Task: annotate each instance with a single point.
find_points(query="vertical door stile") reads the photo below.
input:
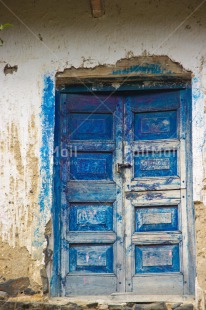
(119, 218)
(128, 208)
(184, 202)
(55, 287)
(184, 222)
(65, 166)
(189, 194)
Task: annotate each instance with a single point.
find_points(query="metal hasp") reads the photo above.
(123, 166)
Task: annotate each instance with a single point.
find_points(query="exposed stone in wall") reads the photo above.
(200, 223)
(15, 286)
(16, 262)
(65, 305)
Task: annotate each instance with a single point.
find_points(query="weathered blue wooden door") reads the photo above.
(124, 223)
(156, 202)
(92, 220)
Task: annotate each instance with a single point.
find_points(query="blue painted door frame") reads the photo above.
(141, 231)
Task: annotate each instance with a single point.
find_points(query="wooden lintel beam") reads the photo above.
(97, 8)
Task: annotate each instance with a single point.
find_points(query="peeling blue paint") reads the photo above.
(144, 69)
(56, 279)
(196, 90)
(198, 103)
(46, 152)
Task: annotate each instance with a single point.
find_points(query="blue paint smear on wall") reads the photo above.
(196, 93)
(47, 117)
(198, 103)
(144, 69)
(46, 153)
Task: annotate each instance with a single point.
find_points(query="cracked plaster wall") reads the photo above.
(47, 37)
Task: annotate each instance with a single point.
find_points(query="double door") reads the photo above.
(124, 223)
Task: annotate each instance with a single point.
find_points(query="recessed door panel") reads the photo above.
(156, 219)
(156, 164)
(91, 126)
(91, 166)
(88, 217)
(90, 284)
(157, 258)
(91, 258)
(155, 125)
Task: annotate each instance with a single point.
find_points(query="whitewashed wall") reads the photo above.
(48, 36)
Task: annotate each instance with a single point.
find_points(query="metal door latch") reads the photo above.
(123, 166)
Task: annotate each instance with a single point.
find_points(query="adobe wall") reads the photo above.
(47, 38)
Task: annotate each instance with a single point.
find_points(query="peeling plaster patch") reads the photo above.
(19, 191)
(19, 202)
(152, 65)
(46, 152)
(198, 135)
(10, 69)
